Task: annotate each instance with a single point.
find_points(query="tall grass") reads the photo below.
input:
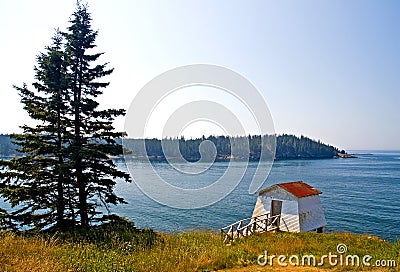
(122, 247)
(18, 253)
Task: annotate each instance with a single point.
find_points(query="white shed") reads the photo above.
(297, 202)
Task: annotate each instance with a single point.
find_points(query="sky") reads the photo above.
(328, 70)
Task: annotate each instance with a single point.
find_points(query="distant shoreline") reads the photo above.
(347, 156)
(235, 148)
(153, 159)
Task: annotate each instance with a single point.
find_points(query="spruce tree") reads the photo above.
(34, 184)
(92, 131)
(65, 174)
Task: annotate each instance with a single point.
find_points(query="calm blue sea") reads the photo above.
(359, 195)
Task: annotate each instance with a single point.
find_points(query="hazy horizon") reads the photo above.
(327, 70)
(350, 150)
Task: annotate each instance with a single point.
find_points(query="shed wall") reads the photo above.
(311, 214)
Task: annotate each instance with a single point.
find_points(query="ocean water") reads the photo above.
(359, 195)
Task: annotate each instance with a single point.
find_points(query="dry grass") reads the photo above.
(196, 251)
(26, 254)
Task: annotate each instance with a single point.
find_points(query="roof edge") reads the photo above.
(292, 187)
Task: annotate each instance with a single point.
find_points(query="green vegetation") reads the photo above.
(292, 147)
(287, 147)
(63, 174)
(119, 246)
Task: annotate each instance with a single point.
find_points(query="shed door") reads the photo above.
(276, 209)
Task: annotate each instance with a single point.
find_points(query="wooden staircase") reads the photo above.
(247, 226)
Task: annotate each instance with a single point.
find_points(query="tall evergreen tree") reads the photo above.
(93, 136)
(65, 174)
(34, 183)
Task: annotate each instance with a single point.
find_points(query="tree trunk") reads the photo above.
(60, 177)
(82, 196)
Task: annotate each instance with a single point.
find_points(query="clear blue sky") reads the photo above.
(329, 70)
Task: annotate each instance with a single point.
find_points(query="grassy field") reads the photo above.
(122, 247)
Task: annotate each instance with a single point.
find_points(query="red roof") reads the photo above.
(297, 188)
